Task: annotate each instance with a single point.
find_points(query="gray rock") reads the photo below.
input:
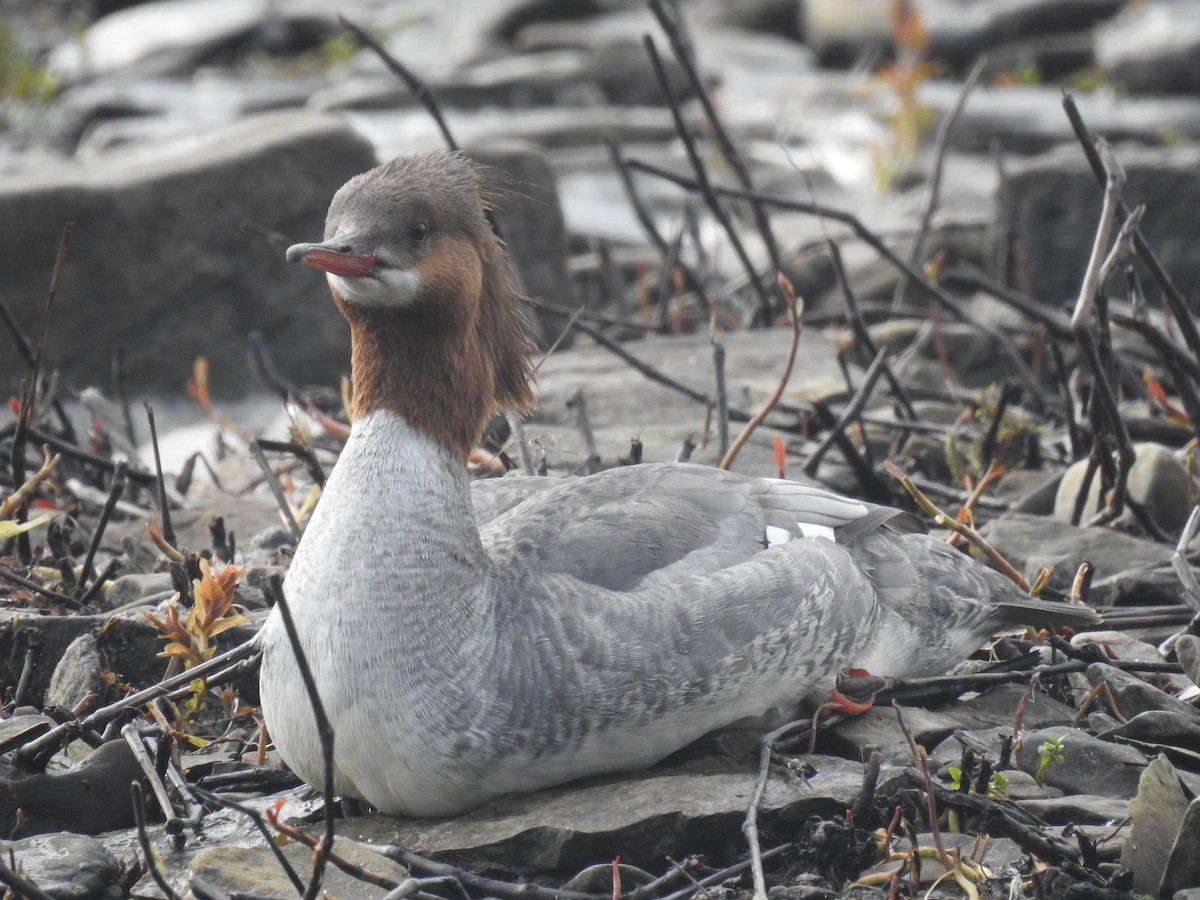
(994, 708)
(22, 726)
(91, 797)
(65, 866)
(1031, 542)
(1089, 766)
(1123, 645)
(150, 587)
(625, 74)
(877, 727)
(531, 221)
(161, 260)
(1157, 726)
(622, 402)
(1153, 48)
(76, 676)
(643, 817)
(1187, 649)
(1183, 865)
(842, 32)
(127, 641)
(244, 515)
(173, 37)
(1158, 481)
(1049, 207)
(1156, 812)
(1135, 696)
(254, 870)
(1029, 119)
(1082, 808)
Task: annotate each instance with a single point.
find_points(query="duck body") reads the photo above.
(475, 640)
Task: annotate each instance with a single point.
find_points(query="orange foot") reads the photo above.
(864, 687)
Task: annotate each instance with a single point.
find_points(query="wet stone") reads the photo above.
(149, 588)
(1156, 812)
(254, 870)
(1157, 481)
(77, 674)
(1089, 766)
(1082, 808)
(877, 727)
(1134, 696)
(1187, 649)
(1155, 725)
(1183, 865)
(1033, 542)
(66, 866)
(643, 817)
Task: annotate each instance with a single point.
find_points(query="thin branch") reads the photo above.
(139, 814)
(789, 295)
(285, 509)
(324, 732)
(945, 520)
(871, 239)
(703, 182)
(419, 88)
(1179, 307)
(766, 747)
(934, 190)
(737, 164)
(55, 737)
(853, 408)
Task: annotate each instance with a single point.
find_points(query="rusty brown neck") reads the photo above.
(442, 366)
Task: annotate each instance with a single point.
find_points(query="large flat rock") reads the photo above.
(170, 256)
(640, 817)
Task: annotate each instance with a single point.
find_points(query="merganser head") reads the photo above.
(436, 325)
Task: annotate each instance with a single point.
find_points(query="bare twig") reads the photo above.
(1037, 395)
(718, 352)
(858, 328)
(116, 489)
(704, 184)
(1082, 325)
(922, 765)
(517, 425)
(945, 520)
(646, 220)
(164, 511)
(419, 89)
(789, 295)
(139, 814)
(324, 731)
(285, 509)
(1179, 306)
(861, 394)
(934, 189)
(577, 403)
(679, 46)
(51, 740)
(766, 747)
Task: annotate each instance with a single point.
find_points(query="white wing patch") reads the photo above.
(777, 535)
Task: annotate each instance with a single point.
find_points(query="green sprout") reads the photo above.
(1049, 754)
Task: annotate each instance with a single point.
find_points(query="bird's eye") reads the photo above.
(418, 232)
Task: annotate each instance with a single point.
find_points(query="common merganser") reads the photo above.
(475, 639)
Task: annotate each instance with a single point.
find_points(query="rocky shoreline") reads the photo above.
(950, 322)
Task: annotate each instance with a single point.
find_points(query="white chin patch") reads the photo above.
(383, 287)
